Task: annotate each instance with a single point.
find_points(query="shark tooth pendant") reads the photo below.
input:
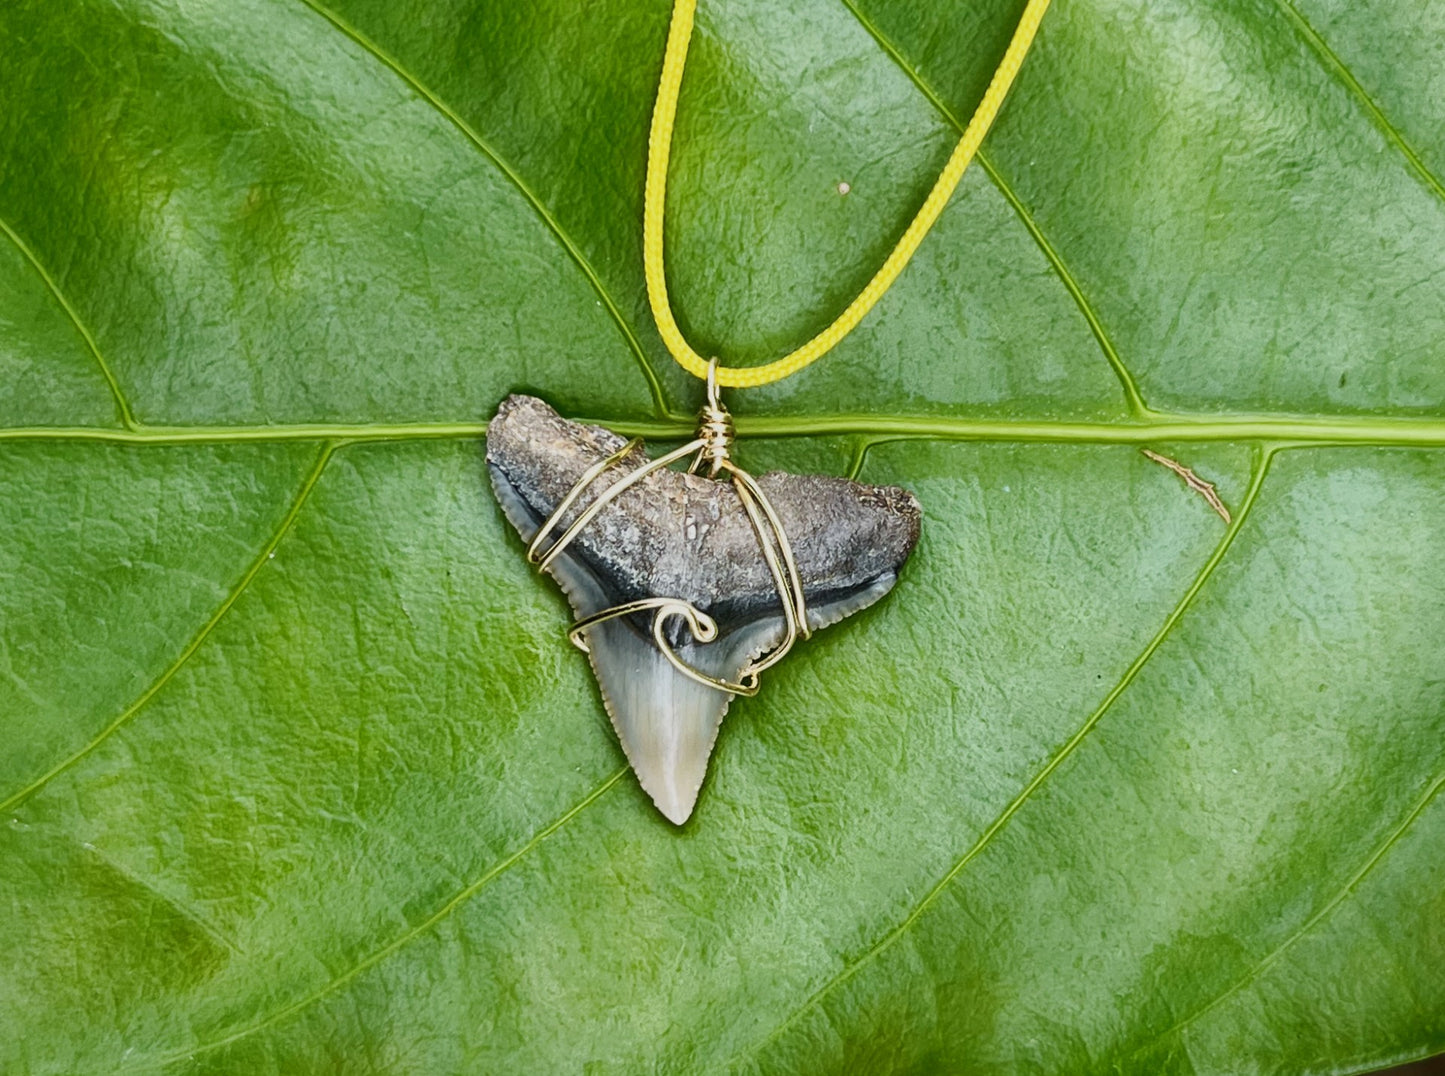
(686, 586)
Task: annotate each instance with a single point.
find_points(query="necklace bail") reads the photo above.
(715, 426)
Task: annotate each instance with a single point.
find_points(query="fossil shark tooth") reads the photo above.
(686, 536)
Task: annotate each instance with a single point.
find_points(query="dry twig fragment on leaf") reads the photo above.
(1193, 481)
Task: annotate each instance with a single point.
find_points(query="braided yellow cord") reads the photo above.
(659, 147)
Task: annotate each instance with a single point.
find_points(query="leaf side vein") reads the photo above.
(514, 177)
(401, 940)
(307, 485)
(127, 417)
(1261, 469)
(1132, 395)
(1356, 879)
(1336, 66)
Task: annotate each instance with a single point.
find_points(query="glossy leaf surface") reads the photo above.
(298, 773)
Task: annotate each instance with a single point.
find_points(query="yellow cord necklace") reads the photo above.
(659, 148)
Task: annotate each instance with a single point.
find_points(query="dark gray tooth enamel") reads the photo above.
(687, 536)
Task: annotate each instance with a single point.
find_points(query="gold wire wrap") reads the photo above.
(711, 447)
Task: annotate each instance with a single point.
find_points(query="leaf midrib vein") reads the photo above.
(1132, 395)
(574, 251)
(1274, 428)
(1261, 469)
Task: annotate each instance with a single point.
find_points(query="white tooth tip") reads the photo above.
(676, 811)
(675, 801)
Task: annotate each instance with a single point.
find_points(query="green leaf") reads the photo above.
(298, 773)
